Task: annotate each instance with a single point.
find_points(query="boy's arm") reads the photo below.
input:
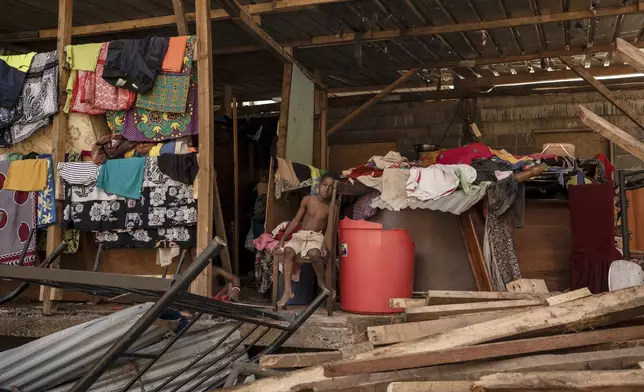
(295, 222)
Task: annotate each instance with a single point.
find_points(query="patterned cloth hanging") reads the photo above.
(47, 197)
(184, 237)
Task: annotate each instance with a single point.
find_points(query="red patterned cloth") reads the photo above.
(593, 250)
(464, 154)
(82, 78)
(106, 96)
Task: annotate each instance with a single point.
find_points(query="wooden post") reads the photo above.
(202, 285)
(365, 106)
(228, 99)
(611, 132)
(180, 14)
(474, 251)
(236, 175)
(324, 106)
(282, 130)
(54, 232)
(624, 107)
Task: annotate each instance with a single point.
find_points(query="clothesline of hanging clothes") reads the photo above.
(146, 88)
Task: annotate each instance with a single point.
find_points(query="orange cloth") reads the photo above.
(27, 175)
(173, 60)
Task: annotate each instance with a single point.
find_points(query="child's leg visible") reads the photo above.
(287, 260)
(318, 266)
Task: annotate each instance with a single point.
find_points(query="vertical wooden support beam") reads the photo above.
(202, 285)
(282, 130)
(228, 100)
(324, 153)
(236, 179)
(48, 295)
(623, 106)
(180, 14)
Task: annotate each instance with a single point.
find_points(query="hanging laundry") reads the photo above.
(464, 154)
(390, 159)
(133, 64)
(170, 91)
(154, 176)
(174, 147)
(79, 58)
(437, 180)
(77, 105)
(183, 237)
(110, 147)
(13, 70)
(78, 173)
(394, 188)
(38, 100)
(174, 57)
(17, 219)
(27, 175)
(144, 125)
(46, 198)
(179, 167)
(123, 177)
(165, 255)
(71, 237)
(105, 96)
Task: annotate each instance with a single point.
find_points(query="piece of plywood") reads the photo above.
(432, 312)
(297, 360)
(397, 303)
(569, 296)
(482, 351)
(605, 381)
(443, 297)
(299, 138)
(395, 333)
(527, 286)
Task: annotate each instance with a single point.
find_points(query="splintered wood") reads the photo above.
(485, 341)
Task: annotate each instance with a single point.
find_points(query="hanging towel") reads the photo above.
(179, 167)
(78, 173)
(17, 219)
(11, 81)
(46, 198)
(27, 175)
(123, 177)
(173, 60)
(133, 64)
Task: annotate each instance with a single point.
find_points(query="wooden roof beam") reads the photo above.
(624, 107)
(245, 20)
(275, 6)
(631, 53)
(611, 132)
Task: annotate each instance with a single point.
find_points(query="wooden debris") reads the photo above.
(359, 348)
(396, 333)
(430, 386)
(482, 351)
(611, 132)
(569, 296)
(297, 360)
(625, 380)
(527, 286)
(397, 303)
(443, 297)
(434, 312)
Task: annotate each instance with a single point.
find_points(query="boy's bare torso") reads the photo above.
(316, 215)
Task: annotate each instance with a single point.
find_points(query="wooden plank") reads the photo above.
(398, 303)
(297, 360)
(160, 21)
(54, 233)
(331, 240)
(220, 227)
(432, 312)
(617, 380)
(631, 53)
(355, 349)
(287, 77)
(569, 296)
(395, 333)
(611, 132)
(237, 219)
(474, 251)
(442, 297)
(324, 140)
(202, 285)
(180, 16)
(482, 351)
(228, 100)
(377, 98)
(430, 386)
(245, 20)
(623, 106)
(527, 286)
(593, 360)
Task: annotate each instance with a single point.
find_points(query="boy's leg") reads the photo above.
(287, 260)
(318, 266)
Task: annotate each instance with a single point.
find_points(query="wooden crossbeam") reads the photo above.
(611, 132)
(631, 53)
(275, 6)
(624, 107)
(245, 20)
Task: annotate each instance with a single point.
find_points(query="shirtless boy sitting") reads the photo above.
(309, 240)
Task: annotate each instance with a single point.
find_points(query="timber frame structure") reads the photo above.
(356, 51)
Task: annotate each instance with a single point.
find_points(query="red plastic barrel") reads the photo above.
(375, 265)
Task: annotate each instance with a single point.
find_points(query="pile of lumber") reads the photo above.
(522, 340)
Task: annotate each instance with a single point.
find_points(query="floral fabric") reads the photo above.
(47, 198)
(184, 237)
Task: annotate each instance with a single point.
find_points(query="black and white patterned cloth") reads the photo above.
(184, 237)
